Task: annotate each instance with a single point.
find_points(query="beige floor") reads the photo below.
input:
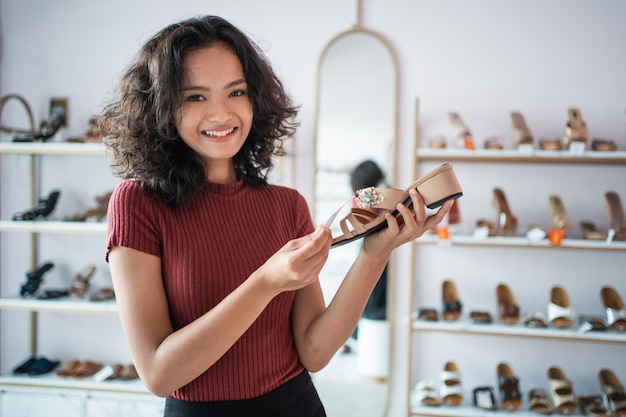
(346, 393)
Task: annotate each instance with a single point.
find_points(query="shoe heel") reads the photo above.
(521, 133)
(439, 186)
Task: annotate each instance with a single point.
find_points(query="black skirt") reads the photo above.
(297, 397)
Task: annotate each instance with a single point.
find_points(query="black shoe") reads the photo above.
(25, 366)
(42, 366)
(34, 279)
(45, 207)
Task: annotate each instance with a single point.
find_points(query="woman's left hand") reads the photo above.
(410, 224)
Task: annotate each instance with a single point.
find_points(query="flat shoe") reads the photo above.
(42, 366)
(591, 231)
(562, 393)
(436, 187)
(614, 306)
(451, 305)
(559, 312)
(593, 406)
(485, 398)
(510, 394)
(613, 392)
(425, 393)
(451, 391)
(507, 309)
(507, 222)
(68, 368)
(539, 402)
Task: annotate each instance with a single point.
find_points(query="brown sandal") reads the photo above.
(539, 402)
(559, 312)
(521, 133)
(510, 394)
(80, 285)
(507, 309)
(576, 128)
(614, 306)
(613, 392)
(507, 222)
(559, 216)
(450, 300)
(617, 218)
(562, 393)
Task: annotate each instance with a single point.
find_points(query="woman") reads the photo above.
(215, 271)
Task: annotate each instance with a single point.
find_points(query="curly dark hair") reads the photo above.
(139, 124)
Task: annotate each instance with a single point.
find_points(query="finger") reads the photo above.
(441, 213)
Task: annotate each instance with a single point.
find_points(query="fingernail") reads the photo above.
(413, 191)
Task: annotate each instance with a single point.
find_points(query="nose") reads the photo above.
(218, 109)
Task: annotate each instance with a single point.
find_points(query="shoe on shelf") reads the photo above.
(591, 231)
(493, 143)
(93, 214)
(507, 222)
(480, 317)
(559, 216)
(560, 313)
(436, 187)
(43, 209)
(617, 219)
(510, 395)
(614, 307)
(551, 144)
(539, 401)
(34, 278)
(613, 392)
(575, 129)
(450, 386)
(36, 366)
(80, 285)
(425, 393)
(507, 309)
(461, 134)
(426, 314)
(521, 133)
(451, 305)
(593, 406)
(535, 319)
(563, 397)
(603, 145)
(485, 397)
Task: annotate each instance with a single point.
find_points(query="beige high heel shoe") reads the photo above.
(559, 217)
(576, 128)
(461, 134)
(617, 219)
(521, 133)
(507, 222)
(436, 187)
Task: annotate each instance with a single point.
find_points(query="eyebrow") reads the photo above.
(227, 86)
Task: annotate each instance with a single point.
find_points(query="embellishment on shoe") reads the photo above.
(368, 197)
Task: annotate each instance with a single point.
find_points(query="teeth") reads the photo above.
(220, 133)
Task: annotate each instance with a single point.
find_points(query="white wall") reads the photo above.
(483, 59)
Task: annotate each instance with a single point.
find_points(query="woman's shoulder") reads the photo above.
(131, 192)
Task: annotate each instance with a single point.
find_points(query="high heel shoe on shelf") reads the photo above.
(507, 309)
(461, 134)
(451, 391)
(563, 397)
(43, 209)
(80, 285)
(521, 133)
(615, 210)
(575, 129)
(510, 394)
(560, 221)
(34, 278)
(93, 214)
(507, 222)
(614, 307)
(451, 305)
(613, 392)
(560, 313)
(436, 187)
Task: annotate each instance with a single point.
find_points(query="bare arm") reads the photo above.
(166, 359)
(320, 332)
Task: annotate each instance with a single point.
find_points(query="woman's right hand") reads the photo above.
(298, 263)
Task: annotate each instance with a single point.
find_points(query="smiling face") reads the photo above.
(216, 112)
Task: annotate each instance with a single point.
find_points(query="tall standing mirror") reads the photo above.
(356, 121)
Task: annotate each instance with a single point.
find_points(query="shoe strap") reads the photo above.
(613, 315)
(556, 311)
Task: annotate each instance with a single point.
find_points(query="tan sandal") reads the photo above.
(424, 393)
(85, 369)
(559, 216)
(560, 313)
(450, 300)
(436, 187)
(80, 285)
(614, 306)
(539, 402)
(68, 368)
(507, 309)
(613, 392)
(551, 144)
(576, 128)
(507, 222)
(591, 231)
(510, 394)
(617, 218)
(451, 391)
(593, 406)
(562, 392)
(521, 133)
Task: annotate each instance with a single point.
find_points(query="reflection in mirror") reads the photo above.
(356, 122)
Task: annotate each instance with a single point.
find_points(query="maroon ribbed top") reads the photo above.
(208, 247)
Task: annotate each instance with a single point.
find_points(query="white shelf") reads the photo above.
(50, 380)
(61, 305)
(513, 155)
(499, 329)
(53, 148)
(471, 411)
(504, 241)
(50, 226)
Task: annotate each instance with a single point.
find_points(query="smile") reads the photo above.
(218, 133)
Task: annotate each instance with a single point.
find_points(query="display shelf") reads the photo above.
(519, 330)
(52, 381)
(468, 410)
(53, 148)
(513, 155)
(62, 305)
(50, 226)
(521, 242)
